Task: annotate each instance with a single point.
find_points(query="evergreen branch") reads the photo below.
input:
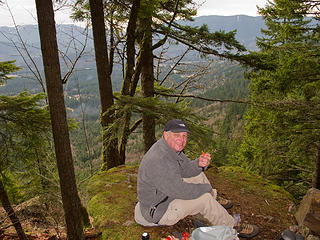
(164, 39)
(135, 125)
(202, 36)
(244, 59)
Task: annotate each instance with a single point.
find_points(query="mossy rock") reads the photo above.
(113, 197)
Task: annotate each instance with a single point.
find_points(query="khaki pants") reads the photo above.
(206, 205)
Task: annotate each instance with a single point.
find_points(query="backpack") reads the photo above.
(214, 233)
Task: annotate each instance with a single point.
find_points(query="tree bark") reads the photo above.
(49, 48)
(147, 80)
(127, 87)
(110, 155)
(9, 210)
(316, 173)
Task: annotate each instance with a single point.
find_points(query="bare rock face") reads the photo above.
(308, 213)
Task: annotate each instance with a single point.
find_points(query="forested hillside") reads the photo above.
(80, 103)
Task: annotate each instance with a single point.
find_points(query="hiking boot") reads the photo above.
(289, 235)
(227, 204)
(197, 223)
(247, 230)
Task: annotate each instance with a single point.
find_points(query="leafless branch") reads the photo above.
(203, 98)
(78, 55)
(174, 66)
(35, 72)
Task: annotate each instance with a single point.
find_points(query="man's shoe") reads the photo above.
(227, 204)
(247, 230)
(197, 223)
(289, 235)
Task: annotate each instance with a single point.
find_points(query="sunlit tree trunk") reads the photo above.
(50, 57)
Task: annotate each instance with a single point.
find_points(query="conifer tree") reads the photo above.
(282, 132)
(23, 122)
(110, 156)
(5, 69)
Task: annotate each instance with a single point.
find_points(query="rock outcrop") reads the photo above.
(308, 214)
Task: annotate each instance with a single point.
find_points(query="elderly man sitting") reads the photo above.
(171, 186)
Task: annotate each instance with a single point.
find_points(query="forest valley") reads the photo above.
(70, 147)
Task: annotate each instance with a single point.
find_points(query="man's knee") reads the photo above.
(206, 197)
(208, 201)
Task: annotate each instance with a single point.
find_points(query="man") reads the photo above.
(171, 186)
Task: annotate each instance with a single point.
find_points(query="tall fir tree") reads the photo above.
(23, 124)
(282, 130)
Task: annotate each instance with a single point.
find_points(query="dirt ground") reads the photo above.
(270, 214)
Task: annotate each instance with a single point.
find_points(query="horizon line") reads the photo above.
(75, 23)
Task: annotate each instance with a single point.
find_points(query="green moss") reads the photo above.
(112, 200)
(85, 216)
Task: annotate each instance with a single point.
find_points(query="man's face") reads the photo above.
(177, 141)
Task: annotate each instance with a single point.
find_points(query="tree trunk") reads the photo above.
(126, 131)
(316, 173)
(49, 48)
(110, 155)
(127, 87)
(147, 82)
(9, 210)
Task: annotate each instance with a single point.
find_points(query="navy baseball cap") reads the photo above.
(176, 125)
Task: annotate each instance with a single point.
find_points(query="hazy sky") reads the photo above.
(24, 10)
(230, 7)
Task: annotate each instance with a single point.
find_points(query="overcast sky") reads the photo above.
(24, 10)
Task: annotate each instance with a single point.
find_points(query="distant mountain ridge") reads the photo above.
(248, 28)
(9, 42)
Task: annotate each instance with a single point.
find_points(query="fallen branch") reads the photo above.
(87, 235)
(14, 235)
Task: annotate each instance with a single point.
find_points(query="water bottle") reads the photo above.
(145, 236)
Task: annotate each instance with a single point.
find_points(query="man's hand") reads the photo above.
(204, 160)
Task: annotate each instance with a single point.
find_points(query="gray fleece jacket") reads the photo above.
(160, 180)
